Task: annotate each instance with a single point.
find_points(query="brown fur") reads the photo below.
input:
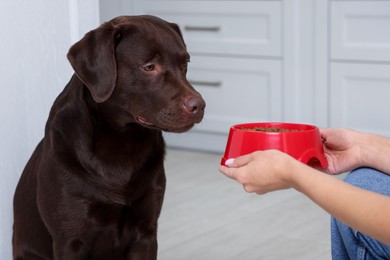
(94, 186)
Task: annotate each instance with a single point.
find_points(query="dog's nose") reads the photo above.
(194, 105)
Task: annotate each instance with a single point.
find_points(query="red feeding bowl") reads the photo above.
(303, 142)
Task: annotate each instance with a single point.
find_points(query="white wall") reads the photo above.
(35, 37)
(110, 9)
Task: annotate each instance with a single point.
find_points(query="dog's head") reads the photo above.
(135, 69)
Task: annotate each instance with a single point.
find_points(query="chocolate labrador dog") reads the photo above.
(94, 186)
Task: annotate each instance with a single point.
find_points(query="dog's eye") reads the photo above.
(148, 67)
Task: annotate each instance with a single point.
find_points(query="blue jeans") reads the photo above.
(351, 244)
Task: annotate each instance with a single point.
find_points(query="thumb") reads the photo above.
(238, 162)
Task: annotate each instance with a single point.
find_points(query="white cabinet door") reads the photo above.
(251, 28)
(236, 91)
(360, 30)
(360, 95)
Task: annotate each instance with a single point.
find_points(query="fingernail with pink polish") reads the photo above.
(229, 162)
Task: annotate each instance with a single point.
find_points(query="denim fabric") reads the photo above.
(350, 244)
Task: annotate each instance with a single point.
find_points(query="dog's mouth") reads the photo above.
(143, 121)
(176, 129)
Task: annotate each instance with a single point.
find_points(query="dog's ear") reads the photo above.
(176, 28)
(93, 60)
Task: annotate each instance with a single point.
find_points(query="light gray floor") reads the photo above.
(207, 216)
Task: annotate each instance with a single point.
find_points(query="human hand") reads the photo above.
(341, 149)
(262, 171)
